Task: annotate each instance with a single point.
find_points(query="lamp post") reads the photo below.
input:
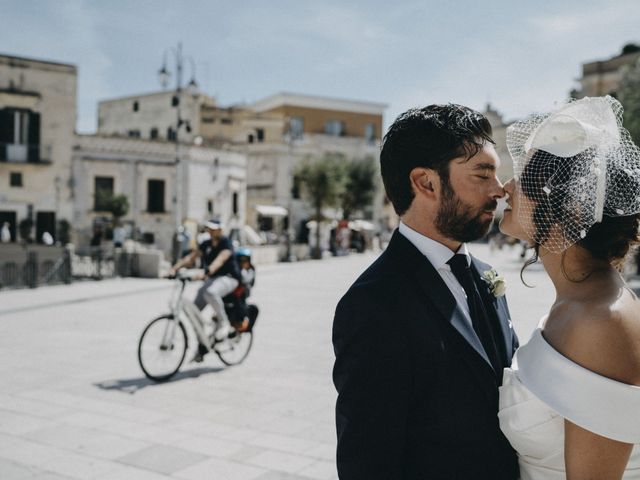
(192, 87)
(290, 138)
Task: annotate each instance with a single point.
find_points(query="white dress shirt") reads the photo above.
(438, 255)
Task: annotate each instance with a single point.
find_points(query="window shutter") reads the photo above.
(34, 137)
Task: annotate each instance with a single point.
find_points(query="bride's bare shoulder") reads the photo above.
(601, 336)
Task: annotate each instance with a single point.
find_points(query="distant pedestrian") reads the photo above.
(5, 233)
(47, 238)
(119, 236)
(96, 239)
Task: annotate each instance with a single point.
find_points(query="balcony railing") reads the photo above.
(25, 153)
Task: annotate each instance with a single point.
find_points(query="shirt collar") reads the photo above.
(437, 253)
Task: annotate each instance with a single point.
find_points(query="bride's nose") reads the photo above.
(510, 186)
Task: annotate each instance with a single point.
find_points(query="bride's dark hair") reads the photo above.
(609, 240)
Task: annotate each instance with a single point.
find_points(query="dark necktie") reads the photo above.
(479, 318)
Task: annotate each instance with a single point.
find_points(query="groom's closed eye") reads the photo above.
(484, 170)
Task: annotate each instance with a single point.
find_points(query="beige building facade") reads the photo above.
(154, 116)
(499, 135)
(602, 77)
(37, 122)
(311, 127)
(276, 134)
(145, 172)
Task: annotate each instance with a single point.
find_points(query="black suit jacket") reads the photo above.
(415, 399)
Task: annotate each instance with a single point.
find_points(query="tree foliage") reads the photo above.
(322, 184)
(117, 205)
(629, 96)
(360, 186)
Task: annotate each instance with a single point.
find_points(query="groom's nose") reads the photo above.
(497, 190)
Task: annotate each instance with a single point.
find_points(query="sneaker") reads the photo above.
(200, 353)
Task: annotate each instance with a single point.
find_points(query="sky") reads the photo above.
(519, 56)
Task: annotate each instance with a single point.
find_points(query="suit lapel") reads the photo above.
(433, 286)
(456, 326)
(495, 309)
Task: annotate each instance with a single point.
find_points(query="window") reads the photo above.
(175, 101)
(155, 196)
(210, 207)
(296, 127)
(171, 135)
(234, 203)
(19, 135)
(136, 106)
(369, 132)
(295, 187)
(15, 179)
(103, 188)
(250, 138)
(208, 120)
(334, 128)
(226, 121)
(260, 134)
(154, 133)
(134, 133)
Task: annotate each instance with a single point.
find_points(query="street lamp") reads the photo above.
(164, 75)
(289, 138)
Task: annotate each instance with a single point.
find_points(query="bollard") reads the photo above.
(66, 266)
(31, 270)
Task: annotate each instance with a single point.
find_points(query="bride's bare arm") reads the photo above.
(606, 340)
(591, 457)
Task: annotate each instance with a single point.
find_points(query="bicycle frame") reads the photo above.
(181, 308)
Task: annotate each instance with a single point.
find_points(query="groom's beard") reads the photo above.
(459, 220)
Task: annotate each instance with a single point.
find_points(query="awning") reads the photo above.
(271, 211)
(252, 236)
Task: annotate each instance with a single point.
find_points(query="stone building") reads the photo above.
(499, 127)
(312, 126)
(276, 134)
(37, 122)
(153, 115)
(145, 172)
(602, 77)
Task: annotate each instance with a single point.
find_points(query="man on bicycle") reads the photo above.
(221, 274)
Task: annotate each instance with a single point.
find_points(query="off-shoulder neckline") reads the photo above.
(539, 337)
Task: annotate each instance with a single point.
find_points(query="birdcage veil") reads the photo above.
(572, 167)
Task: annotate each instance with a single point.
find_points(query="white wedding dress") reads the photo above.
(542, 388)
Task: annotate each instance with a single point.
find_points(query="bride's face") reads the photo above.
(512, 215)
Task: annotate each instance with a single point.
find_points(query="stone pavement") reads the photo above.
(74, 403)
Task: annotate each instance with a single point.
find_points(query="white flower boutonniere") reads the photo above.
(497, 285)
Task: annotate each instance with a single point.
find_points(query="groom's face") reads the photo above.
(470, 196)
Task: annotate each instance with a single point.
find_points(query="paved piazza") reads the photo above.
(75, 404)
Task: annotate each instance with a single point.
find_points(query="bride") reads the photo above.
(570, 405)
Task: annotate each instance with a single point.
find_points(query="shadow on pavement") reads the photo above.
(132, 385)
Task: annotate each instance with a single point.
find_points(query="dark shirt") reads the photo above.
(210, 252)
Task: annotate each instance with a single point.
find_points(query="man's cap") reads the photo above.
(213, 225)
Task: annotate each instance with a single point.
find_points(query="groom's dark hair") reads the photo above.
(428, 137)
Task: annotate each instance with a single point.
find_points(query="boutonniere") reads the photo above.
(497, 285)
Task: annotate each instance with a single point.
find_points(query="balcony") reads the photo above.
(25, 153)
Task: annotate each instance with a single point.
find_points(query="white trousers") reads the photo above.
(212, 291)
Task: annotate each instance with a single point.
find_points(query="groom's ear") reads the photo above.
(424, 181)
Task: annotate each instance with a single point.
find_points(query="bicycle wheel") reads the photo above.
(162, 348)
(235, 349)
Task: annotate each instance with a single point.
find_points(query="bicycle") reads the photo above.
(164, 341)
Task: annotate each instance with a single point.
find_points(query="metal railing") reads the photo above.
(31, 269)
(31, 272)
(25, 153)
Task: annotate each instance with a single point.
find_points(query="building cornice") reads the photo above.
(26, 62)
(285, 99)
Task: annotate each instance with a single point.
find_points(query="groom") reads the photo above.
(420, 338)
